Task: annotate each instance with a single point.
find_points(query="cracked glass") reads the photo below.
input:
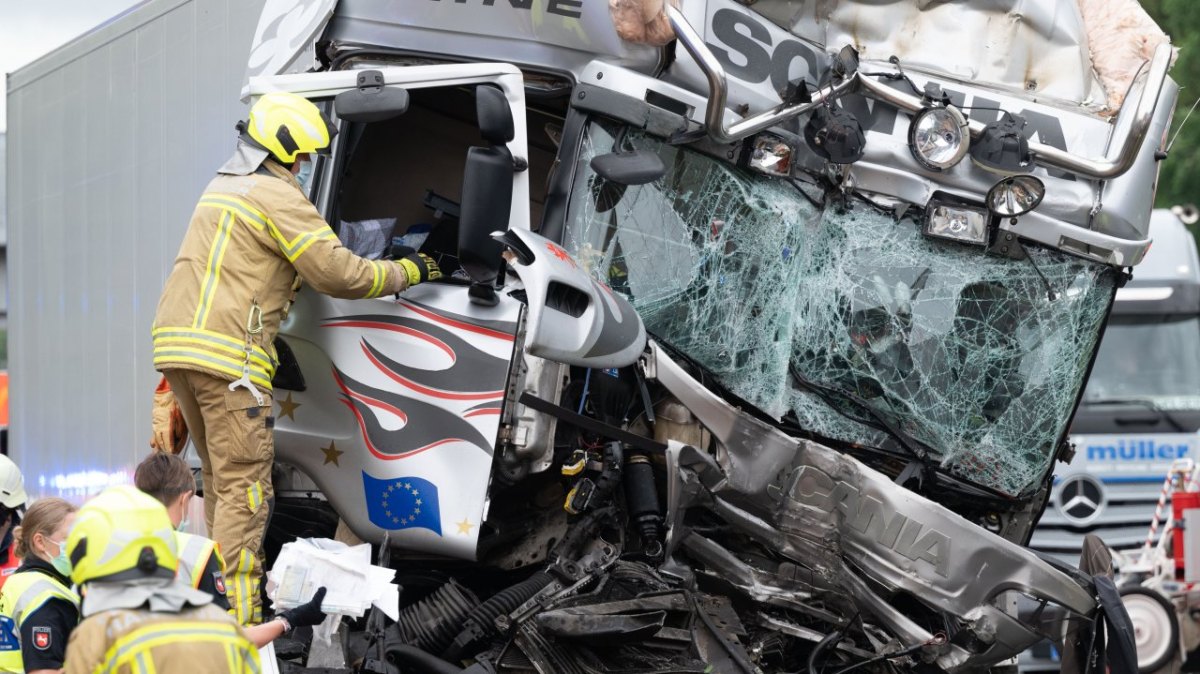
(845, 316)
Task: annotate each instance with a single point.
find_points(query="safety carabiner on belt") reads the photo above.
(254, 326)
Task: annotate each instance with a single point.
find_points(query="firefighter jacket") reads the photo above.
(249, 237)
(124, 641)
(38, 611)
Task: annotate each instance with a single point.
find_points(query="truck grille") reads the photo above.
(1121, 519)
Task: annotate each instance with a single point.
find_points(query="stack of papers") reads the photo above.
(353, 585)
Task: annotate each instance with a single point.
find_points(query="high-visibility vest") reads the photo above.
(194, 552)
(22, 595)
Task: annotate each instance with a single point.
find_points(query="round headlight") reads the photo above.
(938, 137)
(1015, 195)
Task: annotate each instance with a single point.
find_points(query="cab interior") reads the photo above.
(408, 171)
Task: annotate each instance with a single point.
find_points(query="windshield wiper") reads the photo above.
(1148, 403)
(917, 449)
(913, 446)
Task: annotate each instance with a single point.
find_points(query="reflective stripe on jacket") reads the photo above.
(250, 235)
(194, 553)
(23, 594)
(202, 639)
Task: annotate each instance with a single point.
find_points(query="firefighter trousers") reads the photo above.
(234, 437)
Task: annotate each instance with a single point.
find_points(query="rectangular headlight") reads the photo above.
(965, 224)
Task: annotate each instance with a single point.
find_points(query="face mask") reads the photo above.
(183, 524)
(60, 562)
(304, 175)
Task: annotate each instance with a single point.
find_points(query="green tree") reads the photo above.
(1179, 177)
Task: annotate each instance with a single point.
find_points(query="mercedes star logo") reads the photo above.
(1080, 499)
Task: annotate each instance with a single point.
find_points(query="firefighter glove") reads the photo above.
(168, 430)
(420, 268)
(307, 615)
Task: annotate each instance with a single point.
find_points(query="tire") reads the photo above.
(1155, 627)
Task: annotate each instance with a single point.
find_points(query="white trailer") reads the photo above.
(111, 139)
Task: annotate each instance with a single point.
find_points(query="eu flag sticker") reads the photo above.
(402, 503)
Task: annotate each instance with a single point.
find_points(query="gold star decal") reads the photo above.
(464, 527)
(331, 454)
(287, 408)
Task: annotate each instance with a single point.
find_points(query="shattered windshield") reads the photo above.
(847, 318)
(1152, 359)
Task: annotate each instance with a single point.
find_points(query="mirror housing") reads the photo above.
(371, 101)
(487, 195)
(494, 116)
(616, 171)
(629, 168)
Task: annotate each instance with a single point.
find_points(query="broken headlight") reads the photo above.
(771, 155)
(957, 222)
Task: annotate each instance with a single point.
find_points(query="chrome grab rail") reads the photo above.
(1123, 150)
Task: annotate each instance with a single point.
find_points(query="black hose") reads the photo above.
(415, 657)
(828, 642)
(481, 621)
(432, 623)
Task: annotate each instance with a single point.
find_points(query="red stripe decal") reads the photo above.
(432, 392)
(362, 424)
(483, 412)
(396, 328)
(438, 318)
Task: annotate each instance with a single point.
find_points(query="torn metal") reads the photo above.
(1082, 53)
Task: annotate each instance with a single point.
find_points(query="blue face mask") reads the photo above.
(183, 524)
(60, 562)
(304, 175)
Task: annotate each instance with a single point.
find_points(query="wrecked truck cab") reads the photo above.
(786, 343)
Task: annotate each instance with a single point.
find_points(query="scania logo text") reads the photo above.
(748, 51)
(867, 518)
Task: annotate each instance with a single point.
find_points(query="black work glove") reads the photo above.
(420, 268)
(307, 615)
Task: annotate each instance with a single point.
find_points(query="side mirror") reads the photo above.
(618, 170)
(371, 101)
(629, 168)
(486, 195)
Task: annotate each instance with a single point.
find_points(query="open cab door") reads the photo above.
(391, 407)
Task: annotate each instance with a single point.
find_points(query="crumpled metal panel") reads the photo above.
(855, 531)
(1036, 46)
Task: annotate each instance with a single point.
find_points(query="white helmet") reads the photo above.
(12, 485)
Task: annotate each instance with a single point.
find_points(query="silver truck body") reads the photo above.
(851, 423)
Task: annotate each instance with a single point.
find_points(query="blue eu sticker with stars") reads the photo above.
(402, 503)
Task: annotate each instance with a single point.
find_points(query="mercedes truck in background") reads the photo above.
(1140, 409)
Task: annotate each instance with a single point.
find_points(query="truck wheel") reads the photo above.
(1155, 627)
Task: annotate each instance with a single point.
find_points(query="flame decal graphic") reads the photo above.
(470, 369)
(425, 425)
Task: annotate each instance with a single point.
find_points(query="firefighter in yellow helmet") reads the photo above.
(253, 236)
(136, 616)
